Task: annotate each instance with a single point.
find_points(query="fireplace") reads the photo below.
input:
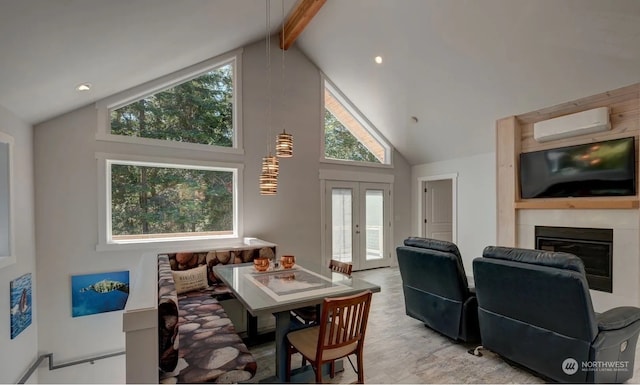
(593, 246)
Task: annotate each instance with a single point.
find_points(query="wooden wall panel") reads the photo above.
(515, 135)
(507, 189)
(599, 100)
(624, 122)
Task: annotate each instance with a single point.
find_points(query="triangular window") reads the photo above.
(348, 136)
(198, 110)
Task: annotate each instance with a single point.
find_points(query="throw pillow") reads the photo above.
(192, 279)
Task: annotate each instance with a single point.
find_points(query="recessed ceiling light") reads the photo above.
(378, 59)
(83, 87)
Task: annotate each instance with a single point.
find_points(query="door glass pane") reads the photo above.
(341, 217)
(374, 226)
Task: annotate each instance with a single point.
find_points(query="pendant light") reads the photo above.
(270, 164)
(284, 143)
(269, 176)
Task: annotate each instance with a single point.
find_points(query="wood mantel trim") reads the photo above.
(579, 203)
(297, 21)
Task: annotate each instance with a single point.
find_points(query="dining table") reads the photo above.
(278, 290)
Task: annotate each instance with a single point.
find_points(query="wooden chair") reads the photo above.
(341, 267)
(339, 334)
(308, 315)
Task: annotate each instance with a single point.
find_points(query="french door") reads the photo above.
(357, 223)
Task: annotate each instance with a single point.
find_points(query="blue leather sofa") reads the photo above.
(435, 288)
(535, 310)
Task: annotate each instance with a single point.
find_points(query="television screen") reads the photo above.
(595, 169)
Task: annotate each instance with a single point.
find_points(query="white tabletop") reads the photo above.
(285, 289)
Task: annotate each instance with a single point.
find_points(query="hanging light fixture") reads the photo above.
(284, 143)
(270, 164)
(269, 175)
(268, 183)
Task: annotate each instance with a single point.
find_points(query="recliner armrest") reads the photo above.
(618, 318)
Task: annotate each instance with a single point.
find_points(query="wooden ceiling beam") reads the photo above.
(298, 19)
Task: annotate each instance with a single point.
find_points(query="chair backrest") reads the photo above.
(433, 266)
(546, 289)
(341, 267)
(534, 308)
(342, 325)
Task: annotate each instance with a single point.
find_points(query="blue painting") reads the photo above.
(99, 293)
(20, 304)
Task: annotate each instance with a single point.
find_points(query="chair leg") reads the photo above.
(318, 369)
(304, 361)
(333, 369)
(289, 354)
(359, 355)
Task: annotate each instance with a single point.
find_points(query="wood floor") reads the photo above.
(400, 349)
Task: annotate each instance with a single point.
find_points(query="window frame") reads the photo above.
(105, 106)
(10, 259)
(105, 240)
(326, 83)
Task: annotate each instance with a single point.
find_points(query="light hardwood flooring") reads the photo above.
(400, 349)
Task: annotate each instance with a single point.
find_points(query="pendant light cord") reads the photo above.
(268, 44)
(282, 79)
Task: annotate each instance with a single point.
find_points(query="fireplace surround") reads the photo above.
(593, 245)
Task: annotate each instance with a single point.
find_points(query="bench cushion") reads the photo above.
(209, 343)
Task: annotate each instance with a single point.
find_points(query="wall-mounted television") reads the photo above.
(605, 168)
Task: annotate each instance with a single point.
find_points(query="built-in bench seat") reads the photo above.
(197, 339)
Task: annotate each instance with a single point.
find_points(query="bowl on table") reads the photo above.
(261, 264)
(288, 261)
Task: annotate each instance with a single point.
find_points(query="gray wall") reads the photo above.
(67, 203)
(16, 355)
(476, 219)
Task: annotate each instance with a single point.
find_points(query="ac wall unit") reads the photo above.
(581, 123)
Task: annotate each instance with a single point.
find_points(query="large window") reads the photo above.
(151, 201)
(197, 111)
(348, 136)
(197, 107)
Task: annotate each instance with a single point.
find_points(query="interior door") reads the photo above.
(438, 219)
(357, 223)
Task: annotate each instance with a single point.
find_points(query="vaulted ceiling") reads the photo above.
(455, 65)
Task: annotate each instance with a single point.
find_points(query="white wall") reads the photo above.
(18, 354)
(67, 203)
(476, 201)
(292, 218)
(626, 245)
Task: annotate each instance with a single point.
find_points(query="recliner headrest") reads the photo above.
(536, 257)
(434, 244)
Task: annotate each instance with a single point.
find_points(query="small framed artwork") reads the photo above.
(20, 304)
(99, 293)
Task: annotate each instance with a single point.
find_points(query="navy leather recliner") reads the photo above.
(435, 288)
(535, 310)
